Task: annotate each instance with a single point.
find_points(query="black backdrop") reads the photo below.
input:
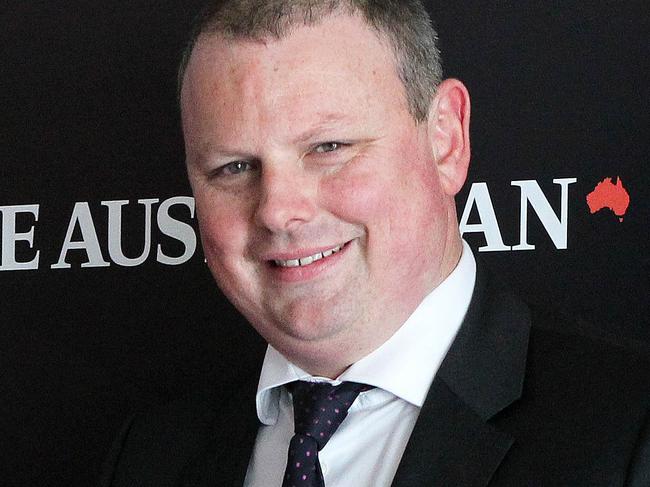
(88, 115)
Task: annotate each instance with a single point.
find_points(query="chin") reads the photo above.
(316, 319)
(314, 330)
(326, 357)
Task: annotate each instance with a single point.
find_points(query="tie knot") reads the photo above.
(319, 408)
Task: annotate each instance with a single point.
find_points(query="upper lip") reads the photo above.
(300, 253)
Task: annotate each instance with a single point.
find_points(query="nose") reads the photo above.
(287, 199)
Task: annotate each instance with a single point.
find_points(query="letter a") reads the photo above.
(89, 242)
(489, 226)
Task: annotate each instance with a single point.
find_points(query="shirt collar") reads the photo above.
(427, 335)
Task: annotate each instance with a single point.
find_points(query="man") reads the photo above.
(324, 153)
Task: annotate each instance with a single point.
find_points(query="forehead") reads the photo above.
(338, 36)
(339, 62)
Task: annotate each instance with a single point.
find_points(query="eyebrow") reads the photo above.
(208, 150)
(327, 121)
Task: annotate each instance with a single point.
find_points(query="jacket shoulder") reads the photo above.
(564, 350)
(585, 406)
(154, 448)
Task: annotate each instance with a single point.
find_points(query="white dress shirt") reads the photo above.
(367, 448)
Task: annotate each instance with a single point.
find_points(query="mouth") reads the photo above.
(308, 259)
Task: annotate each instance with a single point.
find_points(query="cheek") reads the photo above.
(354, 195)
(224, 234)
(223, 227)
(392, 190)
(400, 206)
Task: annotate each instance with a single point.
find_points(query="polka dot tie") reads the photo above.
(319, 409)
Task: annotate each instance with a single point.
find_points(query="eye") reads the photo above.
(234, 168)
(327, 147)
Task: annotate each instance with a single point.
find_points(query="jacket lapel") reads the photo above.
(450, 445)
(453, 442)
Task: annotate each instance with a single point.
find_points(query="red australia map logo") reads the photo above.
(609, 195)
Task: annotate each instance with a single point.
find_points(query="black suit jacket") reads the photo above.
(518, 401)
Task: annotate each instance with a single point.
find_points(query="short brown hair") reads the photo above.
(404, 23)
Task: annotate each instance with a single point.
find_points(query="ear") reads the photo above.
(448, 128)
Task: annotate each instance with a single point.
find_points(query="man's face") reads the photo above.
(321, 210)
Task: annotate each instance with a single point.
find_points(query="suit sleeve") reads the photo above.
(639, 471)
(112, 460)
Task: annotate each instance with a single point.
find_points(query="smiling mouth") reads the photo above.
(310, 259)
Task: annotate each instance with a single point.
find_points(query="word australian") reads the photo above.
(82, 219)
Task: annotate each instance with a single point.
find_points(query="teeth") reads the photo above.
(310, 259)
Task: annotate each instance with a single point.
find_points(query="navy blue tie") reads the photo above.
(319, 409)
